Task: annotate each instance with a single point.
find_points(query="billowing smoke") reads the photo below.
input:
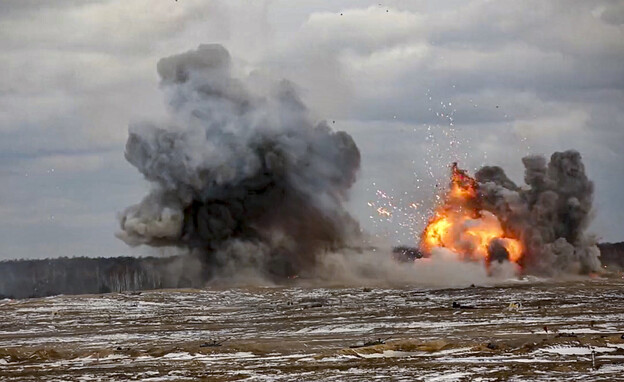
(549, 216)
(239, 170)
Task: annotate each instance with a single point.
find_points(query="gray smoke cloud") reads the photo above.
(239, 170)
(550, 215)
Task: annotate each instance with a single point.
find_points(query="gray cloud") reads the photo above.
(239, 169)
(76, 73)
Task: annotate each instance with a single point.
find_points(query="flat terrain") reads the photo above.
(562, 331)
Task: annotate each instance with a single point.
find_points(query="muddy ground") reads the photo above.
(555, 331)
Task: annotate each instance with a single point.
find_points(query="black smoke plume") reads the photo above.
(549, 216)
(239, 170)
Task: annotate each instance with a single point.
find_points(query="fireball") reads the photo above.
(459, 224)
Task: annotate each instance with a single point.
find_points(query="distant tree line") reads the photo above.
(612, 254)
(83, 275)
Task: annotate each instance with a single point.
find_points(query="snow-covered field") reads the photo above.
(562, 331)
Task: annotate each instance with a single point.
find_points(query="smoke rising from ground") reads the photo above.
(243, 178)
(239, 170)
(549, 216)
(442, 269)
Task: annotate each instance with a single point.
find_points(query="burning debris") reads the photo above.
(540, 227)
(239, 170)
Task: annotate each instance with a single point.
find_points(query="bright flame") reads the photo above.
(461, 226)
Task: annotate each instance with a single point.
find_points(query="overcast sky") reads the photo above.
(418, 84)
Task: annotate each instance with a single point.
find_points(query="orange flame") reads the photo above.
(460, 225)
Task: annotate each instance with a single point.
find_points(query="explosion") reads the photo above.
(540, 226)
(461, 225)
(244, 177)
(240, 172)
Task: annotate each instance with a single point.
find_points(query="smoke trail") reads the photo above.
(550, 216)
(239, 170)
